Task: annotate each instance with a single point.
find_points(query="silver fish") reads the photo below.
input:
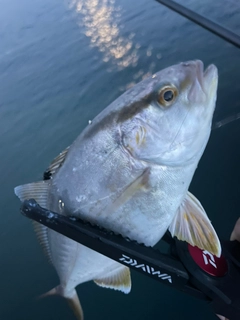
(129, 171)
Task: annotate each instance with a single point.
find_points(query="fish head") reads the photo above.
(174, 115)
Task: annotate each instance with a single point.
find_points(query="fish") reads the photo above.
(129, 171)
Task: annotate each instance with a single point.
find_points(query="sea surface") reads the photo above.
(61, 63)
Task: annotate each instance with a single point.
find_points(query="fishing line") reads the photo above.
(208, 24)
(234, 3)
(227, 120)
(216, 29)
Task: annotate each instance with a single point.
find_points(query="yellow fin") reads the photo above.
(119, 279)
(75, 305)
(73, 300)
(191, 224)
(236, 232)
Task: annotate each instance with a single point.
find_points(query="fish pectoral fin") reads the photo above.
(140, 183)
(39, 192)
(119, 279)
(192, 224)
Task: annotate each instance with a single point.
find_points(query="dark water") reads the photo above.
(61, 63)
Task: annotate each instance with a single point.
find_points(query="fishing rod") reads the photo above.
(186, 268)
(216, 29)
(207, 24)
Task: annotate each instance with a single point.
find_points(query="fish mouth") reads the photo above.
(207, 78)
(204, 81)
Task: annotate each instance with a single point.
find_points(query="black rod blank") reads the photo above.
(211, 26)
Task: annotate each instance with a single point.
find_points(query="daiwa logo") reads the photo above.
(132, 262)
(209, 258)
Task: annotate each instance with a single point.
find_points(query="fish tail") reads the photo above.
(57, 291)
(75, 305)
(72, 300)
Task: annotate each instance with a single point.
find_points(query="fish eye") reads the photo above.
(167, 95)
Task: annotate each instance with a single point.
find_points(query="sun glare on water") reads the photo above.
(100, 20)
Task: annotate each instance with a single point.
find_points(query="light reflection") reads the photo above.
(101, 22)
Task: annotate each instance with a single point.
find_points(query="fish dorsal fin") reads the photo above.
(55, 164)
(39, 192)
(191, 224)
(119, 279)
(35, 190)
